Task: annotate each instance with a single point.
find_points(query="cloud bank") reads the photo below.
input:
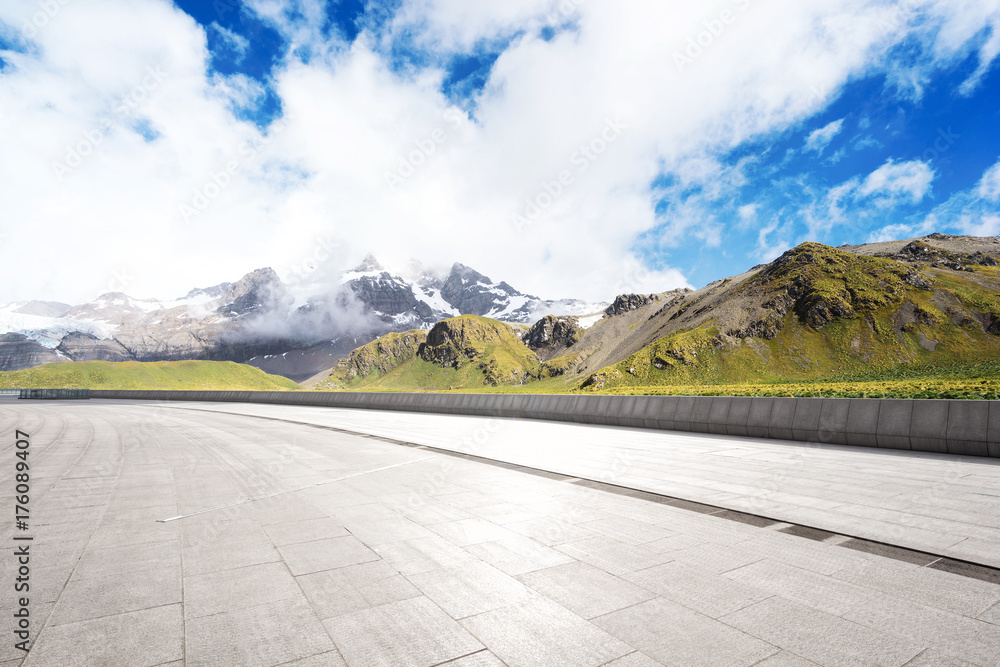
(600, 144)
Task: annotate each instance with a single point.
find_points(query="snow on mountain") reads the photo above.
(49, 331)
(252, 318)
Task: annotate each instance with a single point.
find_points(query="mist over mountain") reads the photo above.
(294, 330)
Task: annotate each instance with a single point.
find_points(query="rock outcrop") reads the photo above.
(627, 302)
(18, 352)
(87, 347)
(551, 336)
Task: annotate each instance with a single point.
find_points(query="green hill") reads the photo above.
(464, 352)
(901, 318)
(206, 375)
(822, 313)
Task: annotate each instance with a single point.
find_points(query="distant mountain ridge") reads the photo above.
(815, 312)
(256, 319)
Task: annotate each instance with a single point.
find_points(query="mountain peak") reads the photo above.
(368, 264)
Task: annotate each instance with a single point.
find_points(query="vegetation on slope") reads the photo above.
(462, 352)
(375, 359)
(192, 375)
(827, 312)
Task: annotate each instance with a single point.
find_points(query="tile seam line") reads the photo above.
(485, 459)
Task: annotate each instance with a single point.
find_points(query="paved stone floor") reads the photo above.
(323, 547)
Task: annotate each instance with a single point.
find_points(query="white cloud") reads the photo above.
(238, 44)
(975, 212)
(821, 138)
(350, 120)
(989, 184)
(896, 181)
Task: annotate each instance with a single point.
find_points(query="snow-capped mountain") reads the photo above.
(259, 321)
(420, 299)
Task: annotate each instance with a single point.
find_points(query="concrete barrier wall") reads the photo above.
(970, 428)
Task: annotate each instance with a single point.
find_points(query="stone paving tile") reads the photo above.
(424, 554)
(549, 510)
(39, 615)
(478, 659)
(47, 583)
(550, 531)
(409, 632)
(212, 527)
(217, 592)
(584, 589)
(944, 590)
(517, 555)
(611, 556)
(354, 588)
(471, 589)
(285, 509)
(815, 590)
(932, 658)
(503, 513)
(470, 531)
(307, 530)
(710, 594)
(627, 531)
(676, 635)
(215, 556)
(256, 637)
(675, 542)
(636, 659)
(125, 534)
(811, 555)
(376, 530)
(115, 593)
(426, 513)
(977, 551)
(716, 558)
(326, 659)
(541, 632)
(464, 498)
(785, 659)
(141, 638)
(944, 631)
(991, 615)
(821, 637)
(326, 554)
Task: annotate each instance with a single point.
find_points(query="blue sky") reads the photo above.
(728, 132)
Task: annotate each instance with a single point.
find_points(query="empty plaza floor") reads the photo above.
(234, 534)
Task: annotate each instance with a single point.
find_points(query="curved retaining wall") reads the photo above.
(970, 428)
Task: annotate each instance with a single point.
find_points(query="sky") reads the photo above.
(573, 148)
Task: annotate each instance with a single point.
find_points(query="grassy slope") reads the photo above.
(206, 375)
(368, 362)
(869, 342)
(467, 352)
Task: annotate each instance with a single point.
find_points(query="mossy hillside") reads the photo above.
(188, 375)
(490, 346)
(457, 353)
(821, 283)
(831, 322)
(562, 365)
(374, 359)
